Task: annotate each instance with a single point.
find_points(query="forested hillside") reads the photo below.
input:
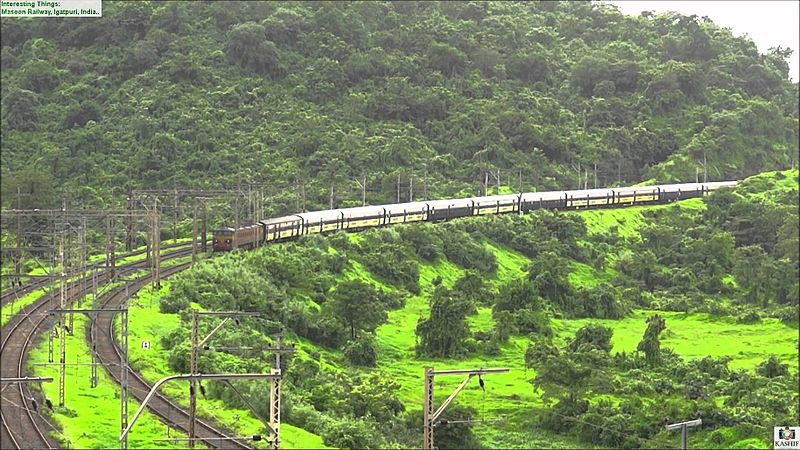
(613, 323)
(312, 96)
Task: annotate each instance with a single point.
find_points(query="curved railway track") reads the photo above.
(23, 429)
(22, 425)
(110, 355)
(10, 295)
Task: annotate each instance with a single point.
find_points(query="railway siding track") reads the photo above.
(22, 426)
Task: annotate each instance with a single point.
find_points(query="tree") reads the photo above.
(650, 344)
(361, 351)
(249, 47)
(376, 395)
(592, 335)
(754, 270)
(772, 368)
(442, 334)
(516, 295)
(549, 275)
(529, 67)
(358, 305)
(20, 109)
(446, 58)
(474, 288)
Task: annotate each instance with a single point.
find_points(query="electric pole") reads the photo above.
(193, 361)
(684, 427)
(430, 417)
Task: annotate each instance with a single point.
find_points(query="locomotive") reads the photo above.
(359, 218)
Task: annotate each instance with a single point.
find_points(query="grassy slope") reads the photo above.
(18, 305)
(91, 417)
(508, 396)
(151, 325)
(698, 335)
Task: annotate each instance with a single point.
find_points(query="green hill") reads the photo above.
(309, 97)
(519, 288)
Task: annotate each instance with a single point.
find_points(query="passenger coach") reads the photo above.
(290, 227)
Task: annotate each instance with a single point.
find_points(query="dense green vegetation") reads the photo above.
(612, 321)
(319, 94)
(606, 346)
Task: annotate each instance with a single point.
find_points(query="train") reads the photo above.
(364, 217)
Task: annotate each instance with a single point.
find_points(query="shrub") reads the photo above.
(445, 331)
(172, 304)
(248, 46)
(460, 248)
(362, 351)
(424, 240)
(749, 316)
(393, 264)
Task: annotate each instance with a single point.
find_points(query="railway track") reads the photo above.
(22, 425)
(23, 428)
(110, 355)
(10, 295)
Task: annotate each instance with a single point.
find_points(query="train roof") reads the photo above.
(409, 207)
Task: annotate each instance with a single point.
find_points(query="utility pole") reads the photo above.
(18, 256)
(236, 215)
(194, 356)
(194, 231)
(398, 188)
(84, 254)
(430, 417)
(156, 246)
(363, 184)
(705, 168)
(303, 191)
(193, 381)
(250, 205)
(129, 223)
(175, 216)
(110, 257)
(595, 175)
(124, 372)
(411, 188)
(204, 235)
(425, 185)
(684, 427)
(275, 392)
(62, 374)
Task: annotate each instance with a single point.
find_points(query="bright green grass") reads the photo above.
(765, 185)
(510, 263)
(629, 220)
(92, 414)
(10, 309)
(508, 396)
(698, 335)
(585, 275)
(511, 396)
(149, 324)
